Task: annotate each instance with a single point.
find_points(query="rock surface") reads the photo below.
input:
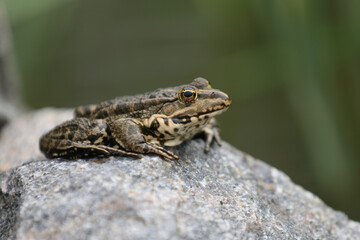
(19, 139)
(225, 194)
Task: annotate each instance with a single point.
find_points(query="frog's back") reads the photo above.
(137, 106)
(140, 105)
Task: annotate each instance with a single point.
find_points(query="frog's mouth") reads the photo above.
(213, 111)
(210, 112)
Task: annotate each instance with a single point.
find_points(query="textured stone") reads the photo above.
(225, 194)
(19, 139)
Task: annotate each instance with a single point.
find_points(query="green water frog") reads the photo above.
(140, 124)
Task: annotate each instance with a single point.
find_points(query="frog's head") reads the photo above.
(197, 100)
(185, 111)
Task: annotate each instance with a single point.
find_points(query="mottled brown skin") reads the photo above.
(139, 124)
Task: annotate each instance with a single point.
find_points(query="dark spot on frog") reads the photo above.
(186, 120)
(92, 138)
(166, 121)
(70, 135)
(176, 129)
(148, 132)
(176, 120)
(118, 108)
(168, 133)
(165, 94)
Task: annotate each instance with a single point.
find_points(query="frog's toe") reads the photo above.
(210, 136)
(217, 138)
(152, 148)
(126, 154)
(134, 155)
(165, 153)
(119, 152)
(169, 155)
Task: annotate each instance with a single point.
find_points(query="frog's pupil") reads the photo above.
(188, 94)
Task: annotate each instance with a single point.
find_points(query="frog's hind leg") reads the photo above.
(128, 135)
(79, 138)
(68, 149)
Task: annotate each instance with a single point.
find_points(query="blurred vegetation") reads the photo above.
(291, 68)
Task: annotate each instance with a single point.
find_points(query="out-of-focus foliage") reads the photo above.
(291, 68)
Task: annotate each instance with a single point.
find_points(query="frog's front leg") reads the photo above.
(211, 133)
(128, 134)
(80, 138)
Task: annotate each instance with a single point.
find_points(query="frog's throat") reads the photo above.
(163, 119)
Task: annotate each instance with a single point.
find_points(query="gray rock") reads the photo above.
(225, 194)
(19, 139)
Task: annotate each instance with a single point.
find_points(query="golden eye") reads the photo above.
(188, 94)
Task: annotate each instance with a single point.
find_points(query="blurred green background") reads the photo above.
(292, 69)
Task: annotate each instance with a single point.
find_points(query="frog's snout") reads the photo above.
(223, 96)
(227, 100)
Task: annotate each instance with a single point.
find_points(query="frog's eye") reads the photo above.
(188, 94)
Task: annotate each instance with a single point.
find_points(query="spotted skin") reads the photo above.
(79, 138)
(140, 124)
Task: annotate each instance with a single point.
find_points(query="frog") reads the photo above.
(146, 123)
